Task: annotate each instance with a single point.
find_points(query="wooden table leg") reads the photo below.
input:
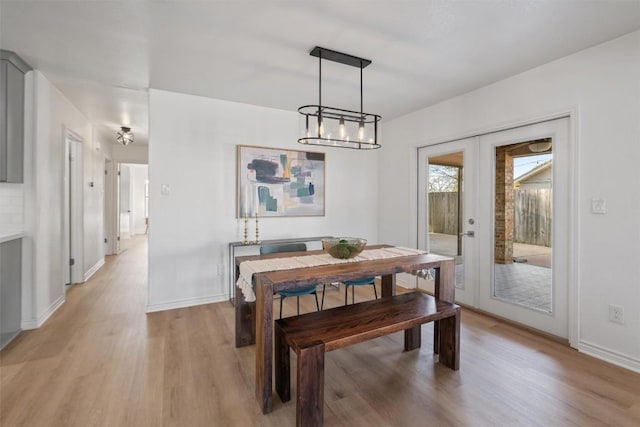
(445, 290)
(450, 341)
(264, 344)
(388, 285)
(446, 281)
(245, 319)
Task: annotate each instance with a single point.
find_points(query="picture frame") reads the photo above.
(279, 182)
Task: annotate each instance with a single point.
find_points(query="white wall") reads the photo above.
(133, 153)
(603, 84)
(11, 206)
(93, 206)
(192, 149)
(44, 258)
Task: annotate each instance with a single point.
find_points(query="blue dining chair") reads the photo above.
(353, 283)
(359, 282)
(290, 247)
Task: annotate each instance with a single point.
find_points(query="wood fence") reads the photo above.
(532, 216)
(532, 208)
(443, 213)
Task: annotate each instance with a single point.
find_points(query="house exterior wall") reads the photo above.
(504, 208)
(541, 180)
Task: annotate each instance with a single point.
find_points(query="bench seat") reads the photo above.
(313, 334)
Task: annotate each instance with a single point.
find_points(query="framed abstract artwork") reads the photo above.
(277, 182)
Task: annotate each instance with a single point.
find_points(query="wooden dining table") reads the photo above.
(254, 320)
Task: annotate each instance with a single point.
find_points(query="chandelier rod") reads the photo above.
(361, 108)
(320, 79)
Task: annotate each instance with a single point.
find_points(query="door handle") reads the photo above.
(470, 233)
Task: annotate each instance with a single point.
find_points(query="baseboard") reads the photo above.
(14, 336)
(36, 323)
(406, 280)
(93, 269)
(611, 356)
(188, 302)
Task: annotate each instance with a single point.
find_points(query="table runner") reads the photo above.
(249, 268)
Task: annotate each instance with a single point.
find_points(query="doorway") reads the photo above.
(523, 223)
(133, 203)
(110, 206)
(72, 211)
(467, 210)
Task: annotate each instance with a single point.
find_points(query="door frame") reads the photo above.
(573, 275)
(109, 206)
(112, 213)
(73, 219)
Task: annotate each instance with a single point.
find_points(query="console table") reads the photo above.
(234, 246)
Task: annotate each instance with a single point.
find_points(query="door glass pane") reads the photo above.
(523, 224)
(446, 208)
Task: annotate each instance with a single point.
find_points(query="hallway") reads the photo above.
(89, 361)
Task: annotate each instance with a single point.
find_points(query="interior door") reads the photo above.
(524, 287)
(117, 210)
(447, 175)
(125, 202)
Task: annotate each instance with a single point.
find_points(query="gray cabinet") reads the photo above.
(12, 71)
(10, 290)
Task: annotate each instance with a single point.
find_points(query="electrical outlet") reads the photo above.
(616, 314)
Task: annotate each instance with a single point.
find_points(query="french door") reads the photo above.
(500, 204)
(446, 210)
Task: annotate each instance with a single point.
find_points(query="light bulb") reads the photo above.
(361, 131)
(342, 128)
(320, 126)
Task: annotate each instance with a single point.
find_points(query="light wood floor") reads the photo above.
(100, 360)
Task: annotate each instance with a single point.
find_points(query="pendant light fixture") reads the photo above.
(124, 137)
(336, 127)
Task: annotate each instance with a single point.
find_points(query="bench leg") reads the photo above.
(450, 341)
(283, 363)
(310, 399)
(412, 338)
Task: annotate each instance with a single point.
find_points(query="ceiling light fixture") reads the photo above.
(336, 127)
(540, 146)
(124, 137)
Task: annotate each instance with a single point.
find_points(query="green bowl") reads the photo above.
(344, 247)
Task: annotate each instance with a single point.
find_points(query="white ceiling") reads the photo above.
(104, 55)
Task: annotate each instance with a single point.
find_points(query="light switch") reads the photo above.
(598, 206)
(165, 189)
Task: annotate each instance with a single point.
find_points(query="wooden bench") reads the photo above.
(313, 334)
